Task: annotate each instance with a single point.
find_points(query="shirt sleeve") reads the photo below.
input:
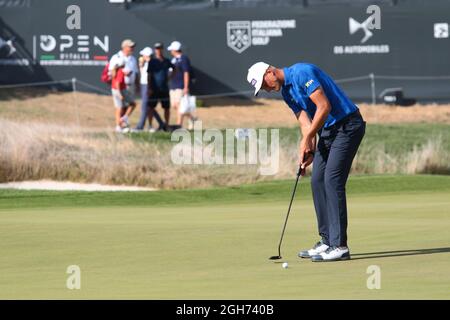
(112, 62)
(308, 81)
(185, 65)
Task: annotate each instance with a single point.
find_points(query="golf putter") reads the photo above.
(299, 173)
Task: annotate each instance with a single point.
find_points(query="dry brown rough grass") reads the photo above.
(64, 137)
(93, 110)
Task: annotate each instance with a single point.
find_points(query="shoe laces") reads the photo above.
(318, 244)
(330, 249)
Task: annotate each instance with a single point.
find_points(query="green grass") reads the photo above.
(215, 243)
(259, 192)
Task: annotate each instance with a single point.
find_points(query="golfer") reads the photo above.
(322, 109)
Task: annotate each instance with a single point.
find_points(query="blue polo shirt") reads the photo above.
(301, 80)
(181, 65)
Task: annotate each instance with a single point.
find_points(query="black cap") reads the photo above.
(158, 45)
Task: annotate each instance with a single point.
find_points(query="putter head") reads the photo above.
(275, 258)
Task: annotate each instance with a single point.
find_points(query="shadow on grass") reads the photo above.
(398, 253)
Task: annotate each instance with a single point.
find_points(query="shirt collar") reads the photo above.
(287, 77)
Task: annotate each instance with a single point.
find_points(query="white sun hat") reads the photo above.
(175, 45)
(256, 74)
(147, 51)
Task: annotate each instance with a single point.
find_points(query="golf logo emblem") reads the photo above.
(239, 35)
(47, 43)
(366, 30)
(253, 82)
(71, 49)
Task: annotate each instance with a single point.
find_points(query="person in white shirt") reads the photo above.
(131, 71)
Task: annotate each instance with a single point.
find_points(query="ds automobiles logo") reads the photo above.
(371, 23)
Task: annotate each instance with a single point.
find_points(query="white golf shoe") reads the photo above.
(332, 254)
(318, 248)
(124, 121)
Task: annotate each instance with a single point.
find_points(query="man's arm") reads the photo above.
(308, 143)
(323, 106)
(186, 82)
(186, 68)
(305, 122)
(305, 157)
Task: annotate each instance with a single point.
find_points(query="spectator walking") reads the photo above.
(158, 72)
(179, 80)
(144, 59)
(131, 72)
(146, 103)
(121, 98)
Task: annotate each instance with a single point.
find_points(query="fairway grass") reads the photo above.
(217, 247)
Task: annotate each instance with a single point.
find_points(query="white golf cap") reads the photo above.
(147, 51)
(256, 74)
(175, 45)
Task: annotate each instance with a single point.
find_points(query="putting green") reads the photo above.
(218, 249)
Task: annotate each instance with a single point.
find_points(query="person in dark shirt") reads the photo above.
(158, 88)
(180, 79)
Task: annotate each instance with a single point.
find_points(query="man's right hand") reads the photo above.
(307, 160)
(306, 154)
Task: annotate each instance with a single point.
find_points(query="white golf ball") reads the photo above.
(285, 265)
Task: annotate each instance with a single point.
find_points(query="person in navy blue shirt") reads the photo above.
(323, 110)
(158, 83)
(180, 79)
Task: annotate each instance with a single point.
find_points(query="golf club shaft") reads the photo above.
(289, 210)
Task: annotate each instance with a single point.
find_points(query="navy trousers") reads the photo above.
(144, 110)
(333, 158)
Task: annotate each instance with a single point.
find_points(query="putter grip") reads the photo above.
(299, 172)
